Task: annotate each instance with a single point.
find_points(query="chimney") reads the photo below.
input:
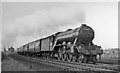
(83, 24)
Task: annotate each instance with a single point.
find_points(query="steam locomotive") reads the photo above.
(71, 45)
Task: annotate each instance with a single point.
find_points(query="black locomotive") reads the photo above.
(70, 45)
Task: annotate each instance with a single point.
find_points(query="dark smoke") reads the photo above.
(41, 23)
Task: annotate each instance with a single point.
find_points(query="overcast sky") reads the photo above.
(27, 21)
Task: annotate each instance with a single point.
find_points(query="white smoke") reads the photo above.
(41, 23)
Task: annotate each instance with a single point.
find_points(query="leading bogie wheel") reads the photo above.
(74, 58)
(86, 59)
(94, 59)
(80, 59)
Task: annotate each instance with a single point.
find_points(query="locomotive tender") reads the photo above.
(70, 45)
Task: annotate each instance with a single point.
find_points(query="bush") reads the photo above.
(4, 56)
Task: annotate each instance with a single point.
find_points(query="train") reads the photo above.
(74, 45)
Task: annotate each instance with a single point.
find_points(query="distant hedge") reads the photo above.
(3, 56)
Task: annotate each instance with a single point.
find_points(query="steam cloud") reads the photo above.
(41, 23)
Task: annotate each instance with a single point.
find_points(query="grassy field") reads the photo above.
(110, 56)
(9, 64)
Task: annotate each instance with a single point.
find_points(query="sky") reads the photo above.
(23, 22)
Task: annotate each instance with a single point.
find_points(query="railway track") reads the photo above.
(73, 66)
(109, 67)
(101, 66)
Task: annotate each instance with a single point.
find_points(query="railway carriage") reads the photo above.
(25, 49)
(37, 48)
(47, 46)
(20, 50)
(31, 48)
(70, 45)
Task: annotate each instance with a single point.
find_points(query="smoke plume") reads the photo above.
(41, 23)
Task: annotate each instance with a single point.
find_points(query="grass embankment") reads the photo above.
(9, 64)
